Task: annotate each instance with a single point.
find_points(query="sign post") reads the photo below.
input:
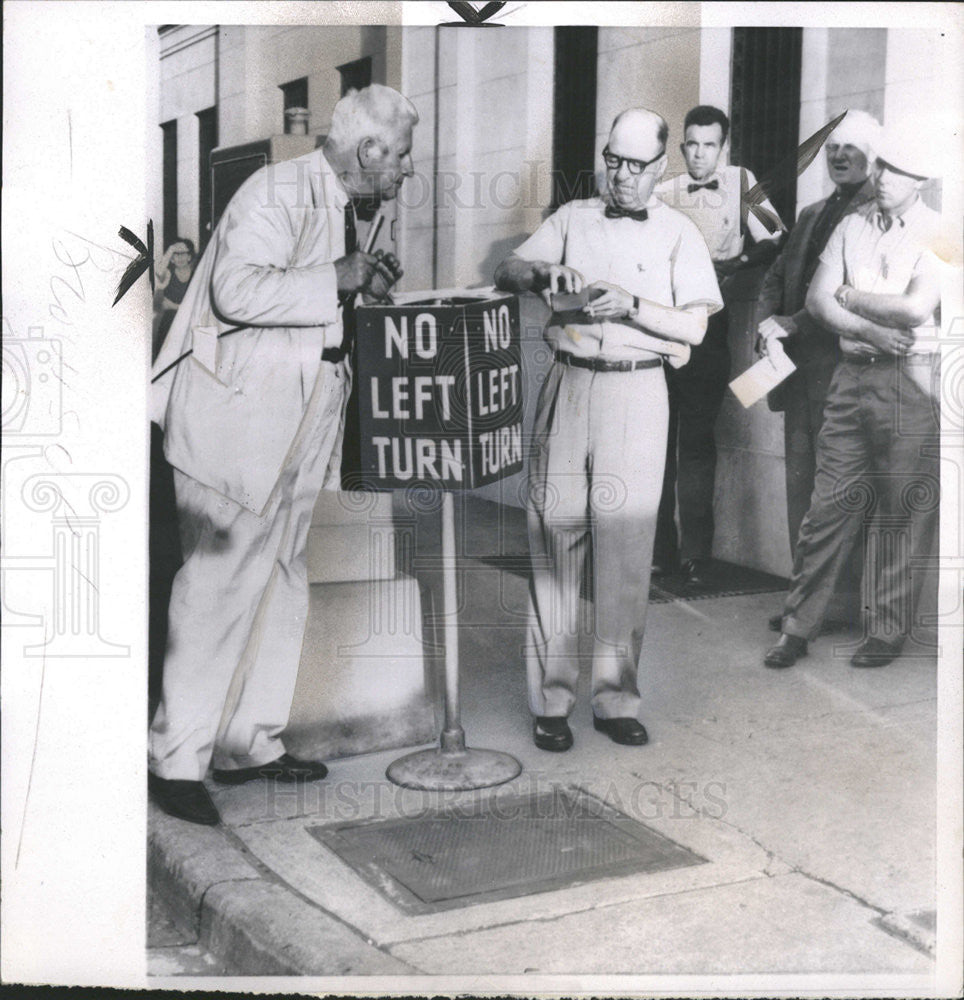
(440, 405)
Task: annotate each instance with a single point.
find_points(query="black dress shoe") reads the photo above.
(551, 732)
(184, 799)
(285, 768)
(695, 572)
(629, 732)
(786, 652)
(874, 653)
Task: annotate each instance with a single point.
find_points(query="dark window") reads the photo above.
(169, 182)
(765, 109)
(207, 122)
(231, 167)
(574, 114)
(357, 74)
(295, 93)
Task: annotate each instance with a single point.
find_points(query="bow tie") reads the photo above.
(709, 185)
(622, 213)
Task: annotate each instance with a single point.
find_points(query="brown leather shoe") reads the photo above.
(786, 652)
(188, 800)
(551, 732)
(629, 732)
(286, 768)
(874, 653)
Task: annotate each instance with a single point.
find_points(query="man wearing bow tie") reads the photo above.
(710, 195)
(600, 428)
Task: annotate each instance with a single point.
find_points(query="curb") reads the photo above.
(252, 923)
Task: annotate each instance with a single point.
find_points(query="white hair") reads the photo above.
(860, 129)
(376, 112)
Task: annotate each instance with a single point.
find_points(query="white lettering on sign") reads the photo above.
(426, 336)
(501, 448)
(424, 390)
(395, 336)
(423, 349)
(497, 389)
(420, 458)
(496, 329)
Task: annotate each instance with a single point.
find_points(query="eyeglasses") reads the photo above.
(635, 167)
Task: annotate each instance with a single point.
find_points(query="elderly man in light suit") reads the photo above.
(253, 418)
(786, 325)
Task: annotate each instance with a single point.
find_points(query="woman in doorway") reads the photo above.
(173, 277)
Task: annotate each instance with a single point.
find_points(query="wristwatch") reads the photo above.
(634, 309)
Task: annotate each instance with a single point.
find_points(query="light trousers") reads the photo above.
(877, 474)
(595, 477)
(239, 605)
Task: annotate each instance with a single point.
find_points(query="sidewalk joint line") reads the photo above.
(526, 921)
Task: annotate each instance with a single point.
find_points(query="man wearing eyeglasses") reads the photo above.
(600, 428)
(710, 195)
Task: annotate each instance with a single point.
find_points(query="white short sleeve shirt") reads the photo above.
(716, 211)
(662, 259)
(868, 257)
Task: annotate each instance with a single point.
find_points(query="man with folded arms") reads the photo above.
(600, 428)
(786, 325)
(878, 288)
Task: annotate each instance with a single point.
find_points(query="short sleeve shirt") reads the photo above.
(716, 211)
(868, 257)
(662, 259)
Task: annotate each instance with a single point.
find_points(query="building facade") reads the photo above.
(512, 123)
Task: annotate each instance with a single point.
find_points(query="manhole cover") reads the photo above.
(501, 847)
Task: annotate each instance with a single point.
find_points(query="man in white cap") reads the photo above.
(601, 422)
(878, 287)
(786, 325)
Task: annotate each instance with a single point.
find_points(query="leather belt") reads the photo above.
(872, 359)
(601, 365)
(335, 354)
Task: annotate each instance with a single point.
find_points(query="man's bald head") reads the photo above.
(641, 129)
(635, 157)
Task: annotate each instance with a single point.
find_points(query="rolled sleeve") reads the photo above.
(254, 282)
(693, 277)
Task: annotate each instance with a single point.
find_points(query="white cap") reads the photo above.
(908, 151)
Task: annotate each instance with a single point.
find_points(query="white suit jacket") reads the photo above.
(231, 410)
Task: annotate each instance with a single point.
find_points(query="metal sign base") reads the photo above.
(452, 767)
(446, 770)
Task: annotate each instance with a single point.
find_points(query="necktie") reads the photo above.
(348, 299)
(351, 237)
(621, 213)
(831, 214)
(709, 185)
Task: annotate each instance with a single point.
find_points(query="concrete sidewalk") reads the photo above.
(810, 792)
